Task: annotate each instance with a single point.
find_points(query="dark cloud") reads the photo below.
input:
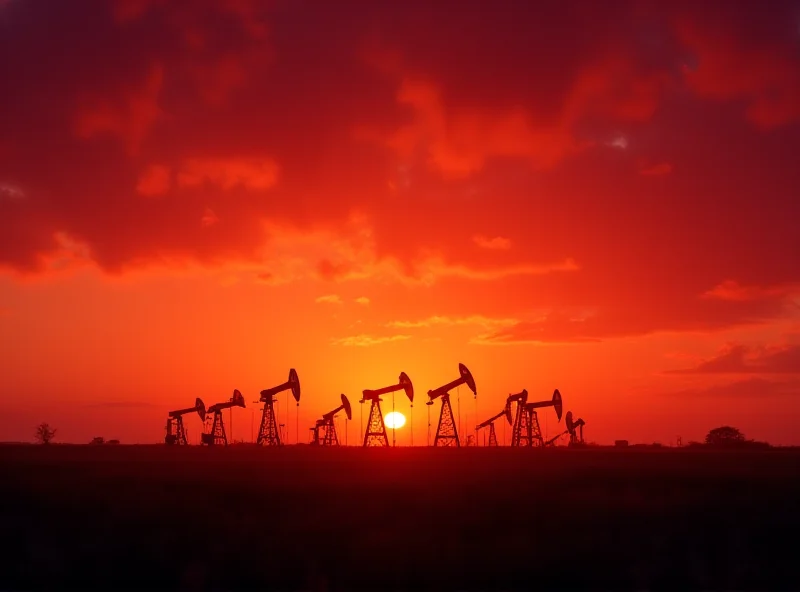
(143, 132)
(741, 359)
(755, 388)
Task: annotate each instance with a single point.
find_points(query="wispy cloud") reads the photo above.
(756, 388)
(329, 299)
(740, 359)
(364, 340)
(9, 191)
(433, 321)
(362, 300)
(498, 243)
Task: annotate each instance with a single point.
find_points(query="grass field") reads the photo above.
(294, 518)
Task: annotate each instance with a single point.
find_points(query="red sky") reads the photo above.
(599, 197)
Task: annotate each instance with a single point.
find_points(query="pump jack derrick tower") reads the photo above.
(375, 434)
(268, 433)
(327, 425)
(215, 427)
(446, 431)
(520, 432)
(176, 433)
(506, 412)
(526, 431)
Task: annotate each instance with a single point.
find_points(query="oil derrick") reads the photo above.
(520, 432)
(446, 432)
(328, 427)
(575, 430)
(535, 432)
(506, 412)
(375, 435)
(268, 434)
(215, 427)
(176, 434)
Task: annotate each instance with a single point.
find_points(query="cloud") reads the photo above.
(656, 170)
(620, 142)
(209, 218)
(733, 291)
(351, 255)
(741, 359)
(496, 243)
(362, 300)
(251, 173)
(764, 73)
(701, 314)
(433, 321)
(12, 192)
(755, 388)
(128, 113)
(329, 299)
(270, 153)
(367, 340)
(155, 180)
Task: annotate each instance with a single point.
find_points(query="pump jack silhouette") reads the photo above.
(446, 432)
(575, 437)
(326, 424)
(176, 433)
(268, 434)
(375, 434)
(506, 412)
(574, 430)
(526, 430)
(215, 428)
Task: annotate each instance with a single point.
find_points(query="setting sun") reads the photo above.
(395, 420)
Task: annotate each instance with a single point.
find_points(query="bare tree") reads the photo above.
(44, 433)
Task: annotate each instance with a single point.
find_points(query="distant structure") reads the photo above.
(176, 433)
(214, 434)
(375, 434)
(324, 431)
(506, 412)
(268, 433)
(575, 429)
(620, 443)
(526, 430)
(446, 432)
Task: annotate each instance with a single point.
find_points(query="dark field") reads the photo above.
(117, 517)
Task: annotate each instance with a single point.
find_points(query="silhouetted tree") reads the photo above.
(724, 436)
(44, 433)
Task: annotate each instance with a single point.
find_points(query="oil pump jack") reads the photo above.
(526, 431)
(490, 424)
(375, 435)
(176, 434)
(575, 437)
(268, 434)
(446, 432)
(330, 438)
(215, 428)
(574, 430)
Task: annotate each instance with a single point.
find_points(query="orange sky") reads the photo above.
(599, 197)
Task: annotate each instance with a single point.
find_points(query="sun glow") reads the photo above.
(395, 420)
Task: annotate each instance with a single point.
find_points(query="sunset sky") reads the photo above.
(599, 197)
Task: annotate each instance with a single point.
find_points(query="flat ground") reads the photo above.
(146, 517)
